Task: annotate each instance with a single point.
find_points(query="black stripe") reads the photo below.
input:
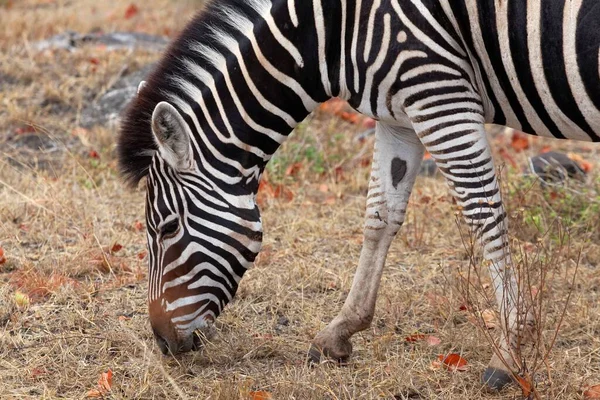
(554, 63)
(519, 49)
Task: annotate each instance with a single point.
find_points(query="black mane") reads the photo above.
(135, 145)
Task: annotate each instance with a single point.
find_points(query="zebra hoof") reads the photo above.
(496, 379)
(316, 356)
(339, 352)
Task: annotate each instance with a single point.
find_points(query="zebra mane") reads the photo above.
(135, 144)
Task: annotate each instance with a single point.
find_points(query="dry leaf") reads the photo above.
(489, 319)
(21, 299)
(2, 258)
(93, 394)
(433, 341)
(259, 395)
(586, 166)
(525, 386)
(293, 169)
(105, 380)
(418, 337)
(454, 362)
(592, 393)
(131, 11)
(519, 141)
(507, 157)
(104, 385)
(138, 226)
(415, 338)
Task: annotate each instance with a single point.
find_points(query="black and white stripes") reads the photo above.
(244, 73)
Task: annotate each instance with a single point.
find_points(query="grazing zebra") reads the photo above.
(244, 73)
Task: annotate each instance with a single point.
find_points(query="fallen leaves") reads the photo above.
(131, 11)
(2, 257)
(104, 385)
(452, 362)
(138, 226)
(38, 286)
(420, 337)
(268, 191)
(342, 110)
(526, 387)
(592, 393)
(21, 299)
(116, 248)
(259, 395)
(585, 165)
(519, 141)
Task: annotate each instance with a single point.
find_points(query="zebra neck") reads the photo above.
(248, 76)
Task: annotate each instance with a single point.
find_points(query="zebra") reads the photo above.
(243, 73)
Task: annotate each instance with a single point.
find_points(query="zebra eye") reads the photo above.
(169, 229)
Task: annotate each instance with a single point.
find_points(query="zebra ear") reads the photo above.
(172, 135)
(141, 86)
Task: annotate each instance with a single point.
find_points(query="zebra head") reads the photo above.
(201, 239)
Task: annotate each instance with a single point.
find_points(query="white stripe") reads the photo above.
(234, 46)
(503, 35)
(185, 107)
(370, 29)
(585, 104)
(246, 27)
(320, 24)
(199, 322)
(365, 104)
(426, 40)
(264, 9)
(439, 29)
(180, 280)
(189, 300)
(477, 36)
(425, 69)
(534, 42)
(354, 49)
(344, 92)
(196, 94)
(292, 10)
(391, 78)
(220, 63)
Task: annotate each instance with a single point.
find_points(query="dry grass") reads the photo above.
(88, 313)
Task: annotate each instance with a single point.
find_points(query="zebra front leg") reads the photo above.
(463, 155)
(396, 161)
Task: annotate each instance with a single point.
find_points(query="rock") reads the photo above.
(108, 108)
(117, 40)
(428, 167)
(555, 168)
(36, 150)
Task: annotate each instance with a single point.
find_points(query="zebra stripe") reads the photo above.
(244, 73)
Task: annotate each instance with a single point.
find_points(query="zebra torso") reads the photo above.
(244, 73)
(536, 64)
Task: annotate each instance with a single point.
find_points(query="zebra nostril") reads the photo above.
(197, 342)
(162, 344)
